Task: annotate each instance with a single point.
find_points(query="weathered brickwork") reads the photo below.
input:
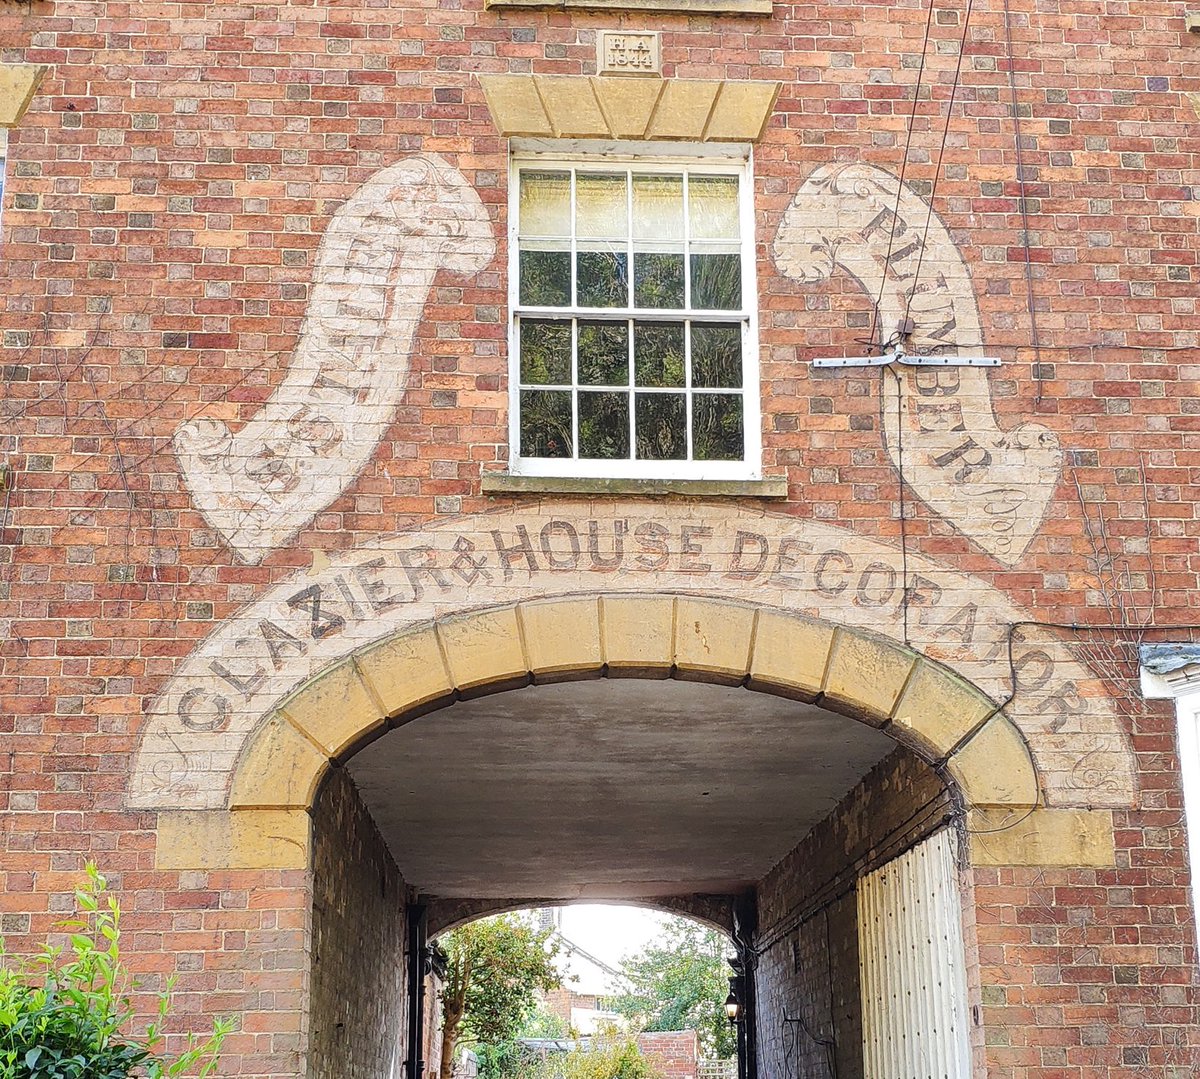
(358, 1022)
(192, 461)
(674, 1054)
(809, 968)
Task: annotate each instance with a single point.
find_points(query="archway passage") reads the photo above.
(617, 751)
(608, 789)
(741, 764)
(755, 812)
(919, 703)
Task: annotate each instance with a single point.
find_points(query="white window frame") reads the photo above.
(714, 159)
(1184, 689)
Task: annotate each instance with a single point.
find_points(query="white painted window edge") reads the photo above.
(734, 158)
(1184, 689)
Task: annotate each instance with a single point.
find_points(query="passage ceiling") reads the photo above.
(614, 788)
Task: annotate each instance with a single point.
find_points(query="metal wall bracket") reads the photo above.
(908, 359)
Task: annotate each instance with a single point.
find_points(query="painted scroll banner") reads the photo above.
(232, 681)
(994, 486)
(375, 266)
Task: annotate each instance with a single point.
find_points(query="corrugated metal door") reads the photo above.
(912, 966)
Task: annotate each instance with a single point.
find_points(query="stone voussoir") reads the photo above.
(562, 635)
(335, 709)
(483, 648)
(866, 676)
(994, 768)
(791, 654)
(18, 85)
(406, 671)
(938, 709)
(280, 769)
(638, 633)
(713, 638)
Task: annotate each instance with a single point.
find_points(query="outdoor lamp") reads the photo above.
(733, 1006)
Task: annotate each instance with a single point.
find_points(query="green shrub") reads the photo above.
(66, 1015)
(610, 1056)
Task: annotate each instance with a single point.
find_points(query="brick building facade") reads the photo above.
(361, 361)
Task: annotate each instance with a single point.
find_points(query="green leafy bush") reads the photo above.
(65, 1015)
(609, 1054)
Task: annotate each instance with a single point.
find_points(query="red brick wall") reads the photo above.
(166, 194)
(358, 1011)
(673, 1052)
(558, 1002)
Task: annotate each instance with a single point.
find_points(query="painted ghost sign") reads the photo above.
(375, 265)
(994, 486)
(238, 676)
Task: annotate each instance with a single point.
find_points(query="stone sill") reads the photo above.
(691, 7)
(502, 483)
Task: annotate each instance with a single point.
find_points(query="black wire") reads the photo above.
(1072, 627)
(1095, 346)
(833, 1029)
(912, 116)
(883, 371)
(797, 915)
(829, 1046)
(1016, 117)
(937, 172)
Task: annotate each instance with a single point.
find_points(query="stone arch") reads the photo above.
(923, 705)
(946, 720)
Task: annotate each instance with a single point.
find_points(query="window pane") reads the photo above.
(602, 278)
(545, 351)
(628, 262)
(717, 355)
(661, 426)
(601, 206)
(604, 353)
(545, 423)
(545, 278)
(545, 204)
(658, 279)
(717, 282)
(717, 427)
(603, 425)
(713, 207)
(658, 208)
(658, 353)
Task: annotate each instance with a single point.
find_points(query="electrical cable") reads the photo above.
(883, 371)
(912, 116)
(825, 1043)
(1073, 627)
(796, 916)
(1035, 335)
(937, 171)
(833, 1028)
(837, 887)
